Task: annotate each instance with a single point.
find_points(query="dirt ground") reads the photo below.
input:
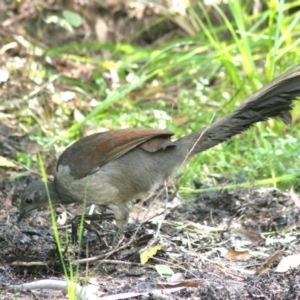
(242, 244)
(225, 245)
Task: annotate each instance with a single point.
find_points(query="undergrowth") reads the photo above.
(184, 85)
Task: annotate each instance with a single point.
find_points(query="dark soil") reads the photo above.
(196, 241)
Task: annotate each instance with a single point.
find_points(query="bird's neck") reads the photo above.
(53, 192)
(61, 193)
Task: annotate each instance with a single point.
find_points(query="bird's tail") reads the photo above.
(274, 100)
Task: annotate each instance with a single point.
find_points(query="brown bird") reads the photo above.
(114, 167)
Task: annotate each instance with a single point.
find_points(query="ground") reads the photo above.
(224, 245)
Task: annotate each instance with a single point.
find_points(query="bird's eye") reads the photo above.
(28, 201)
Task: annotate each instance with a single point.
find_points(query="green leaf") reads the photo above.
(164, 271)
(59, 22)
(72, 18)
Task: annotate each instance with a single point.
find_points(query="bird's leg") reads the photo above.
(121, 213)
(117, 237)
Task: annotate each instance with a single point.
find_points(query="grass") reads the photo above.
(198, 78)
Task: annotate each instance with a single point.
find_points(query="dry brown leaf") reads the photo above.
(101, 30)
(145, 92)
(232, 254)
(254, 237)
(269, 261)
(181, 121)
(180, 284)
